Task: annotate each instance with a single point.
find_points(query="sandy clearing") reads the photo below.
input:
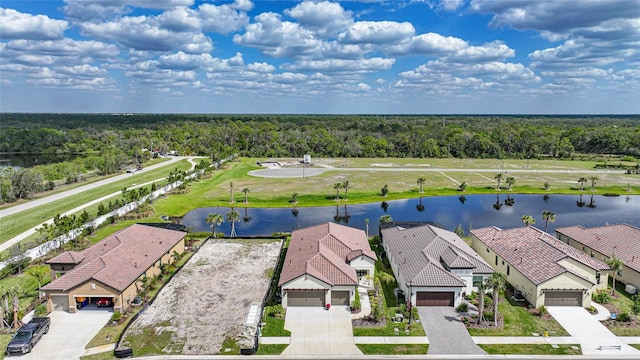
(210, 297)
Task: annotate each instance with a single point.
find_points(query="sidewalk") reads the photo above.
(99, 349)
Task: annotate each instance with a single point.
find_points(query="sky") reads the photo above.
(321, 57)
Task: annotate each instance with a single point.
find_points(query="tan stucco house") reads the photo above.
(112, 267)
(433, 266)
(325, 264)
(622, 241)
(547, 271)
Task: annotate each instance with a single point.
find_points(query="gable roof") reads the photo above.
(324, 252)
(533, 252)
(120, 259)
(622, 240)
(421, 251)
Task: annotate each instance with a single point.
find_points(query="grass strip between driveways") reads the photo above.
(271, 349)
(393, 349)
(530, 349)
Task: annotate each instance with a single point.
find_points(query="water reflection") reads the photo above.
(478, 210)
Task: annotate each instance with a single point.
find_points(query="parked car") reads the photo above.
(28, 335)
(104, 302)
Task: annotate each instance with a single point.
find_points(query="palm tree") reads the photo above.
(582, 180)
(345, 186)
(233, 217)
(215, 220)
(462, 187)
(497, 282)
(245, 191)
(498, 177)
(528, 220)
(510, 181)
(421, 183)
(38, 272)
(232, 200)
(616, 266)
(548, 217)
(385, 219)
(337, 187)
(366, 222)
(482, 289)
(593, 180)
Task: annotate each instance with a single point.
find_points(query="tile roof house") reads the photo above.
(433, 265)
(111, 267)
(324, 265)
(546, 270)
(622, 241)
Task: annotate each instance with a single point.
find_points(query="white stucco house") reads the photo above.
(324, 265)
(434, 266)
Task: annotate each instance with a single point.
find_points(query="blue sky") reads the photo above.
(360, 57)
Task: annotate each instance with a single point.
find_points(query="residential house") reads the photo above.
(324, 265)
(112, 268)
(544, 269)
(433, 265)
(621, 241)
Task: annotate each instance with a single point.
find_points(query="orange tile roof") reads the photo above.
(118, 260)
(323, 251)
(622, 240)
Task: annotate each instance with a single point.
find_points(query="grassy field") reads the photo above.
(530, 349)
(393, 349)
(365, 185)
(15, 224)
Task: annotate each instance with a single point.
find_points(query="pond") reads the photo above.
(471, 211)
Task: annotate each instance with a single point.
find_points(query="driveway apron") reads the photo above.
(446, 332)
(69, 334)
(316, 331)
(594, 338)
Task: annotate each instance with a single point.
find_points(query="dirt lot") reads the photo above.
(209, 299)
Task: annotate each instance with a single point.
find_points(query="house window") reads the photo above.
(496, 259)
(477, 280)
(508, 269)
(487, 249)
(502, 262)
(598, 277)
(362, 273)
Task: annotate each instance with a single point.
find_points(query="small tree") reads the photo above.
(346, 187)
(635, 308)
(38, 272)
(366, 222)
(215, 220)
(510, 181)
(294, 198)
(337, 187)
(581, 181)
(233, 217)
(548, 217)
(462, 187)
(498, 178)
(459, 230)
(385, 219)
(385, 190)
(616, 266)
(482, 289)
(421, 181)
(497, 282)
(528, 220)
(232, 199)
(593, 180)
(245, 191)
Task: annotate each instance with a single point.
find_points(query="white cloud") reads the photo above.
(377, 32)
(363, 87)
(341, 65)
(223, 18)
(17, 25)
(261, 67)
(83, 10)
(428, 44)
(323, 18)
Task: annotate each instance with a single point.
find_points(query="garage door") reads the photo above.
(563, 298)
(60, 302)
(305, 298)
(424, 298)
(340, 298)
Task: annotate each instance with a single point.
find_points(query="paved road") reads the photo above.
(65, 194)
(446, 332)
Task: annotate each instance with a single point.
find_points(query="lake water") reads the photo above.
(448, 211)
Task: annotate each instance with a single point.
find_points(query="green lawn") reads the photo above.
(271, 349)
(519, 322)
(393, 349)
(4, 341)
(622, 300)
(274, 327)
(530, 349)
(16, 224)
(101, 356)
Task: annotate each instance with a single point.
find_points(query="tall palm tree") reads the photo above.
(384, 219)
(38, 272)
(233, 217)
(232, 200)
(214, 219)
(498, 178)
(337, 187)
(245, 191)
(366, 222)
(421, 183)
(482, 289)
(528, 220)
(345, 186)
(510, 181)
(616, 266)
(548, 217)
(593, 180)
(497, 282)
(582, 180)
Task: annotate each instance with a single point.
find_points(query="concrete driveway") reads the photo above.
(69, 334)
(594, 337)
(446, 332)
(316, 331)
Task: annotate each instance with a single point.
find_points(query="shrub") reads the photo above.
(602, 296)
(355, 304)
(542, 310)
(473, 296)
(624, 317)
(117, 315)
(463, 307)
(275, 311)
(41, 310)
